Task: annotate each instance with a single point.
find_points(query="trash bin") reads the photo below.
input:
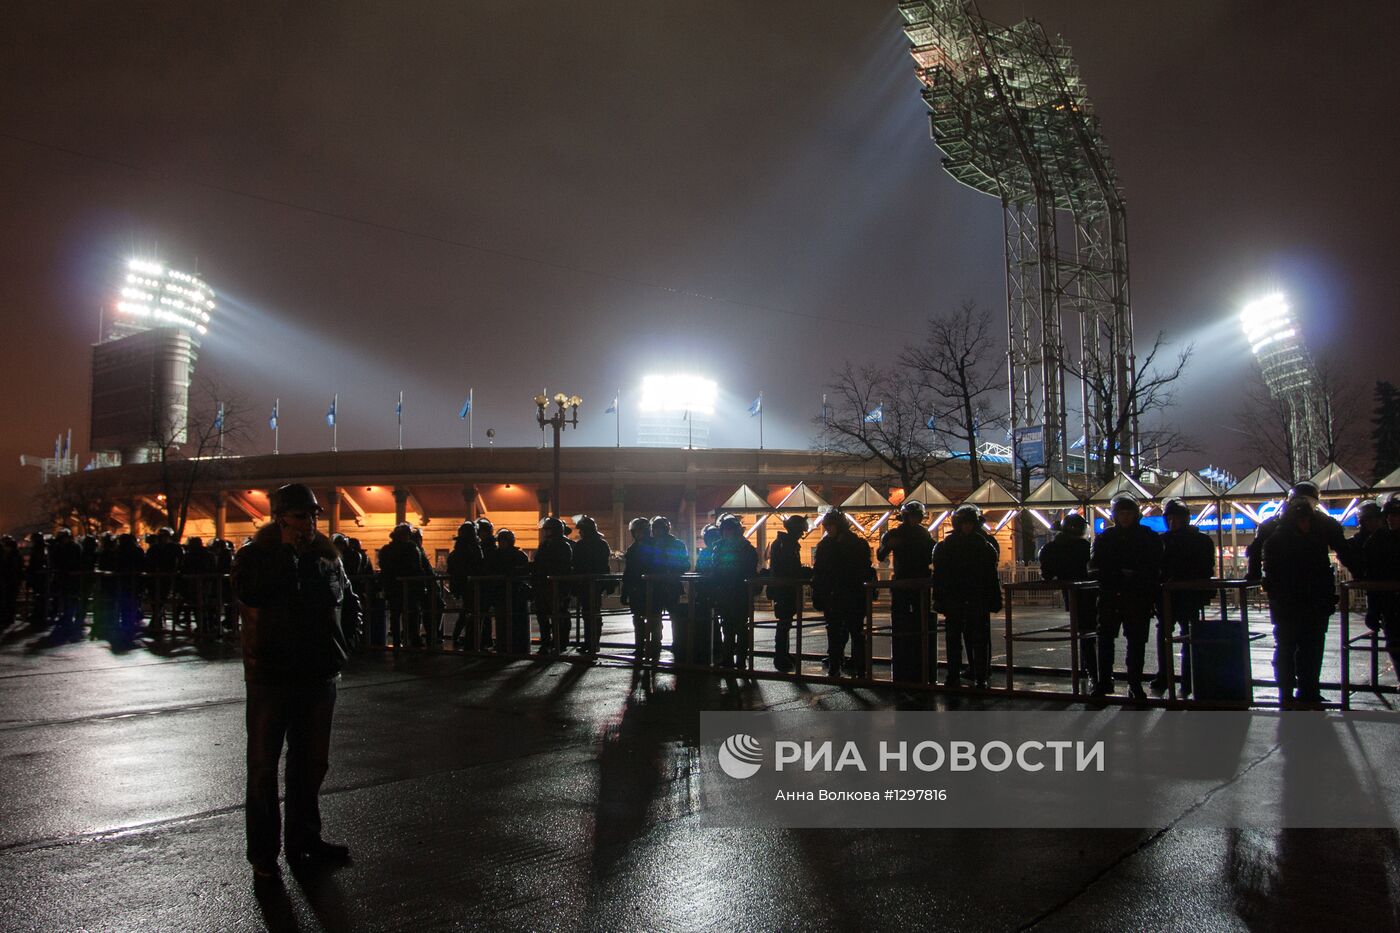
(1220, 668)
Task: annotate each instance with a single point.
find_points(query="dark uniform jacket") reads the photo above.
(513, 563)
(289, 602)
(1356, 551)
(1065, 557)
(164, 557)
(665, 556)
(785, 563)
(785, 556)
(1382, 563)
(734, 562)
(1188, 554)
(66, 562)
(397, 559)
(1297, 568)
(634, 592)
(965, 581)
(912, 547)
(464, 561)
(36, 567)
(554, 557)
(592, 554)
(129, 560)
(1127, 561)
(840, 569)
(1329, 528)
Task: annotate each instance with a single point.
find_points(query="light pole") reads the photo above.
(565, 413)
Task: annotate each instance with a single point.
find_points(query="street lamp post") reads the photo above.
(565, 413)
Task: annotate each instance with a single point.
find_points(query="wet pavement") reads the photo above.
(485, 794)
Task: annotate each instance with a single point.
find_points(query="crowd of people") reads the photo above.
(125, 590)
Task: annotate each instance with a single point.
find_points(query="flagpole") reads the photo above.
(335, 419)
(221, 429)
(277, 426)
(617, 414)
(400, 414)
(760, 420)
(690, 431)
(471, 417)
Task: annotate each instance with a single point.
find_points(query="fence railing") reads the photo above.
(1369, 641)
(713, 621)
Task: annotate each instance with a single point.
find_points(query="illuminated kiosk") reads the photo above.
(675, 411)
(142, 367)
(1291, 379)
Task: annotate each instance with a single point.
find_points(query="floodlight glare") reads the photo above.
(1266, 321)
(160, 297)
(695, 394)
(145, 266)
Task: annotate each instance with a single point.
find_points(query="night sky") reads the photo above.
(510, 196)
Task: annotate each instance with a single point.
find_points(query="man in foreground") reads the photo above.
(289, 584)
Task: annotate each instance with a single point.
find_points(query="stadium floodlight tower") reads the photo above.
(143, 365)
(1291, 378)
(1009, 111)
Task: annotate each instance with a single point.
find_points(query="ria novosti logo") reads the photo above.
(740, 756)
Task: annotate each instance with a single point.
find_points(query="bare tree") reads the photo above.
(81, 501)
(1150, 394)
(216, 428)
(1266, 423)
(899, 439)
(1344, 426)
(958, 364)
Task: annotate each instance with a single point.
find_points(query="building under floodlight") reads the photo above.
(142, 367)
(675, 411)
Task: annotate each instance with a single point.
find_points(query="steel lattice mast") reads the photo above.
(1292, 379)
(1009, 111)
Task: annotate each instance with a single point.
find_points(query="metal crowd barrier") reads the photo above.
(1222, 586)
(1072, 631)
(1367, 641)
(198, 603)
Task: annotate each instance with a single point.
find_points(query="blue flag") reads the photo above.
(931, 423)
(612, 409)
(756, 405)
(876, 415)
(398, 409)
(330, 415)
(219, 418)
(272, 421)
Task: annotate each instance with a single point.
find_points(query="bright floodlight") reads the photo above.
(695, 394)
(152, 295)
(1266, 321)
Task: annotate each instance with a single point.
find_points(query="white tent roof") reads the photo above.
(867, 499)
(1333, 479)
(1389, 482)
(929, 495)
(992, 494)
(802, 499)
(1259, 483)
(1053, 493)
(745, 500)
(1187, 486)
(1121, 484)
